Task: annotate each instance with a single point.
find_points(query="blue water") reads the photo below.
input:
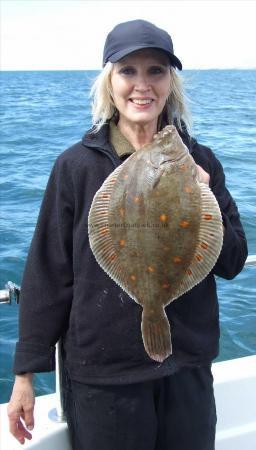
(45, 112)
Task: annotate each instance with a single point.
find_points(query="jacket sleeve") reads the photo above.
(234, 250)
(47, 285)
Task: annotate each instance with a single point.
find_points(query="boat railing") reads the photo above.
(12, 293)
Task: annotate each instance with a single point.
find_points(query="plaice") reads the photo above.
(156, 231)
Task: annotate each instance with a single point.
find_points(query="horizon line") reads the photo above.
(99, 69)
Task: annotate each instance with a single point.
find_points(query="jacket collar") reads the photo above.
(100, 140)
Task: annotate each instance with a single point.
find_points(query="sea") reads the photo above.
(43, 113)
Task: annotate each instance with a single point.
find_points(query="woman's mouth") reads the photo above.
(141, 103)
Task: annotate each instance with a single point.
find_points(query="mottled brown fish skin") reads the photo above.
(157, 225)
(156, 220)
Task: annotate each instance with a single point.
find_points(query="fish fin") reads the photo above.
(209, 242)
(156, 335)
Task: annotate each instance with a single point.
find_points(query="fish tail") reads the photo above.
(156, 335)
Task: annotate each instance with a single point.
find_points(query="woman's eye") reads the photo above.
(127, 71)
(156, 70)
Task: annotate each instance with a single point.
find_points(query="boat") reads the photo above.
(235, 395)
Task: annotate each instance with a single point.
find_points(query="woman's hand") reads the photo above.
(21, 408)
(203, 177)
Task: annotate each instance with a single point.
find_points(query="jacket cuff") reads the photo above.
(30, 357)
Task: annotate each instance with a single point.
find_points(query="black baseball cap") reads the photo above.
(135, 35)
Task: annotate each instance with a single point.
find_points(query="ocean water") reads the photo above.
(43, 113)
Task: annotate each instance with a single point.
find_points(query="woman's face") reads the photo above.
(141, 85)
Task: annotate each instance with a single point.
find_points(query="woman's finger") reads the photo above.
(24, 432)
(16, 427)
(29, 416)
(202, 175)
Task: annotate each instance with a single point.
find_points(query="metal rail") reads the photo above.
(12, 292)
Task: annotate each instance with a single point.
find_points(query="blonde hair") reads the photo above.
(103, 107)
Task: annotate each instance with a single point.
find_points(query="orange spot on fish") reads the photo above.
(163, 217)
(133, 277)
(188, 189)
(183, 167)
(166, 285)
(189, 272)
(199, 257)
(104, 231)
(177, 259)
(136, 199)
(125, 176)
(113, 257)
(184, 224)
(105, 196)
(207, 217)
(122, 242)
(151, 269)
(121, 210)
(204, 245)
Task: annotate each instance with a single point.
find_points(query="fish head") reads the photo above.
(167, 147)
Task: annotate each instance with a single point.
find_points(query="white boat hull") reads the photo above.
(235, 393)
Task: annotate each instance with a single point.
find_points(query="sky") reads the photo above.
(70, 34)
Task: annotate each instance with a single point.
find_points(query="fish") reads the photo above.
(157, 231)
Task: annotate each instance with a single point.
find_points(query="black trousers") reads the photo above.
(176, 412)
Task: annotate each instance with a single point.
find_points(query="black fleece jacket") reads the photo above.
(66, 294)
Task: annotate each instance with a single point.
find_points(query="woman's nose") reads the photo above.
(142, 84)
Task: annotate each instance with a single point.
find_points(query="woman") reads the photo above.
(116, 397)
